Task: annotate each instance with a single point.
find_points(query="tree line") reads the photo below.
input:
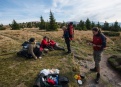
(49, 26)
(52, 25)
(87, 25)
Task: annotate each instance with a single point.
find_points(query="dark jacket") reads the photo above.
(31, 48)
(66, 34)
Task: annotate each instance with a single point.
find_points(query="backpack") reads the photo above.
(25, 44)
(62, 81)
(24, 51)
(71, 31)
(105, 39)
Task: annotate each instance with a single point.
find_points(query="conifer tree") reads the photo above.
(2, 27)
(42, 23)
(93, 24)
(88, 24)
(14, 25)
(106, 26)
(52, 23)
(116, 27)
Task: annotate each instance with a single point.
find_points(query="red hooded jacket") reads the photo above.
(52, 43)
(44, 44)
(71, 32)
(99, 41)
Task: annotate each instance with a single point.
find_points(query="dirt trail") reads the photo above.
(108, 73)
(109, 77)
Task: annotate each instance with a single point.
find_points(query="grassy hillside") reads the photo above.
(19, 72)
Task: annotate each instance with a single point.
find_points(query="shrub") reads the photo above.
(14, 25)
(112, 34)
(115, 62)
(2, 27)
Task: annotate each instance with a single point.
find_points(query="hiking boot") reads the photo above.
(97, 78)
(93, 70)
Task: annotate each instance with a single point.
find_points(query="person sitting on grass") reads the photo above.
(44, 44)
(53, 45)
(33, 50)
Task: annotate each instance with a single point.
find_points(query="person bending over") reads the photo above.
(33, 50)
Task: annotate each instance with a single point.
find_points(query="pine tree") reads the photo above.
(88, 24)
(98, 25)
(52, 23)
(14, 25)
(93, 24)
(42, 23)
(106, 26)
(82, 25)
(2, 27)
(116, 27)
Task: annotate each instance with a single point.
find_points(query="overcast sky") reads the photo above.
(64, 10)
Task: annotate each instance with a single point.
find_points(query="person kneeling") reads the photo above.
(33, 50)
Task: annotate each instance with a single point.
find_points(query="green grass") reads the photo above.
(15, 70)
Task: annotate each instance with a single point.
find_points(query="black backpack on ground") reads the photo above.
(24, 51)
(62, 81)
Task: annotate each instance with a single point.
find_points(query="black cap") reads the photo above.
(31, 39)
(45, 37)
(71, 23)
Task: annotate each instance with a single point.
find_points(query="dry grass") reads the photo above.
(8, 45)
(19, 72)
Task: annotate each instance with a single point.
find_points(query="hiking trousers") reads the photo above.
(97, 57)
(58, 47)
(67, 41)
(37, 52)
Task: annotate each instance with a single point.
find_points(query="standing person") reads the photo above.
(98, 43)
(71, 30)
(67, 39)
(33, 50)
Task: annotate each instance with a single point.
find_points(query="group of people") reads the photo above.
(98, 43)
(35, 50)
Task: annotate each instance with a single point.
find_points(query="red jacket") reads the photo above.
(71, 32)
(52, 43)
(99, 40)
(44, 44)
